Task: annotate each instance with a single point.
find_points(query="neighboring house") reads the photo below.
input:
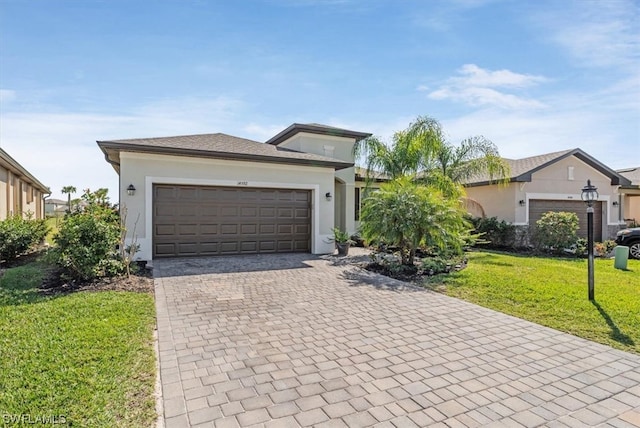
(55, 206)
(218, 194)
(554, 182)
(630, 200)
(20, 192)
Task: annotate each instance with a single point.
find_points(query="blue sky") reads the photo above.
(531, 76)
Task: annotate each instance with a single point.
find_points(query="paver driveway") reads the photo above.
(298, 340)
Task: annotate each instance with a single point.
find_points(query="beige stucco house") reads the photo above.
(20, 192)
(630, 196)
(217, 194)
(554, 182)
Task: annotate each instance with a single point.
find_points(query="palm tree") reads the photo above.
(422, 152)
(410, 151)
(69, 190)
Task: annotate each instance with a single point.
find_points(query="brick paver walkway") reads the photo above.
(297, 340)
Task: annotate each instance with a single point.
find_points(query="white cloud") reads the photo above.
(598, 34)
(476, 86)
(476, 76)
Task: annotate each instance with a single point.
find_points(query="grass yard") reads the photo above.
(553, 292)
(84, 359)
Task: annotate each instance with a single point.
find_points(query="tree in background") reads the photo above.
(68, 190)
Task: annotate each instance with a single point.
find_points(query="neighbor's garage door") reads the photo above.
(198, 220)
(538, 207)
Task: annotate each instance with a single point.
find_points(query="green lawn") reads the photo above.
(85, 359)
(553, 292)
(53, 223)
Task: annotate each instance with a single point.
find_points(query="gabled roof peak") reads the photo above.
(315, 128)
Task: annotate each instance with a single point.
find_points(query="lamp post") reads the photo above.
(589, 195)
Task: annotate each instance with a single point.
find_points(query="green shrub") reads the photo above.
(604, 248)
(556, 231)
(434, 265)
(18, 235)
(408, 215)
(88, 241)
(494, 233)
(581, 247)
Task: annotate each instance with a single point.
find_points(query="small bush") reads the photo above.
(494, 233)
(18, 235)
(581, 247)
(88, 241)
(604, 248)
(556, 231)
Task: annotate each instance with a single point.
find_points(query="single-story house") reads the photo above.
(20, 192)
(217, 194)
(630, 201)
(554, 182)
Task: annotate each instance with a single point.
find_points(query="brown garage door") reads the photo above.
(199, 221)
(538, 207)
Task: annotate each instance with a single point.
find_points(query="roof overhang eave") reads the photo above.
(107, 146)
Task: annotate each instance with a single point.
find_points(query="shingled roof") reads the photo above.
(633, 174)
(522, 169)
(219, 146)
(316, 128)
(12, 165)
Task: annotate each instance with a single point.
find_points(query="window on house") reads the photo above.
(29, 194)
(570, 173)
(357, 201)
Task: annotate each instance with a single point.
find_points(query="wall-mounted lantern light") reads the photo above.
(521, 202)
(328, 196)
(131, 190)
(614, 203)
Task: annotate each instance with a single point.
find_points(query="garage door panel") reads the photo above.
(165, 249)
(165, 229)
(300, 245)
(249, 212)
(188, 229)
(228, 211)
(302, 229)
(201, 220)
(268, 246)
(285, 246)
(248, 246)
(267, 229)
(187, 210)
(228, 229)
(229, 247)
(285, 229)
(188, 248)
(268, 212)
(207, 210)
(187, 193)
(208, 229)
(302, 213)
(248, 229)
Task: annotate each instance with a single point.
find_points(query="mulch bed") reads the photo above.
(140, 282)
